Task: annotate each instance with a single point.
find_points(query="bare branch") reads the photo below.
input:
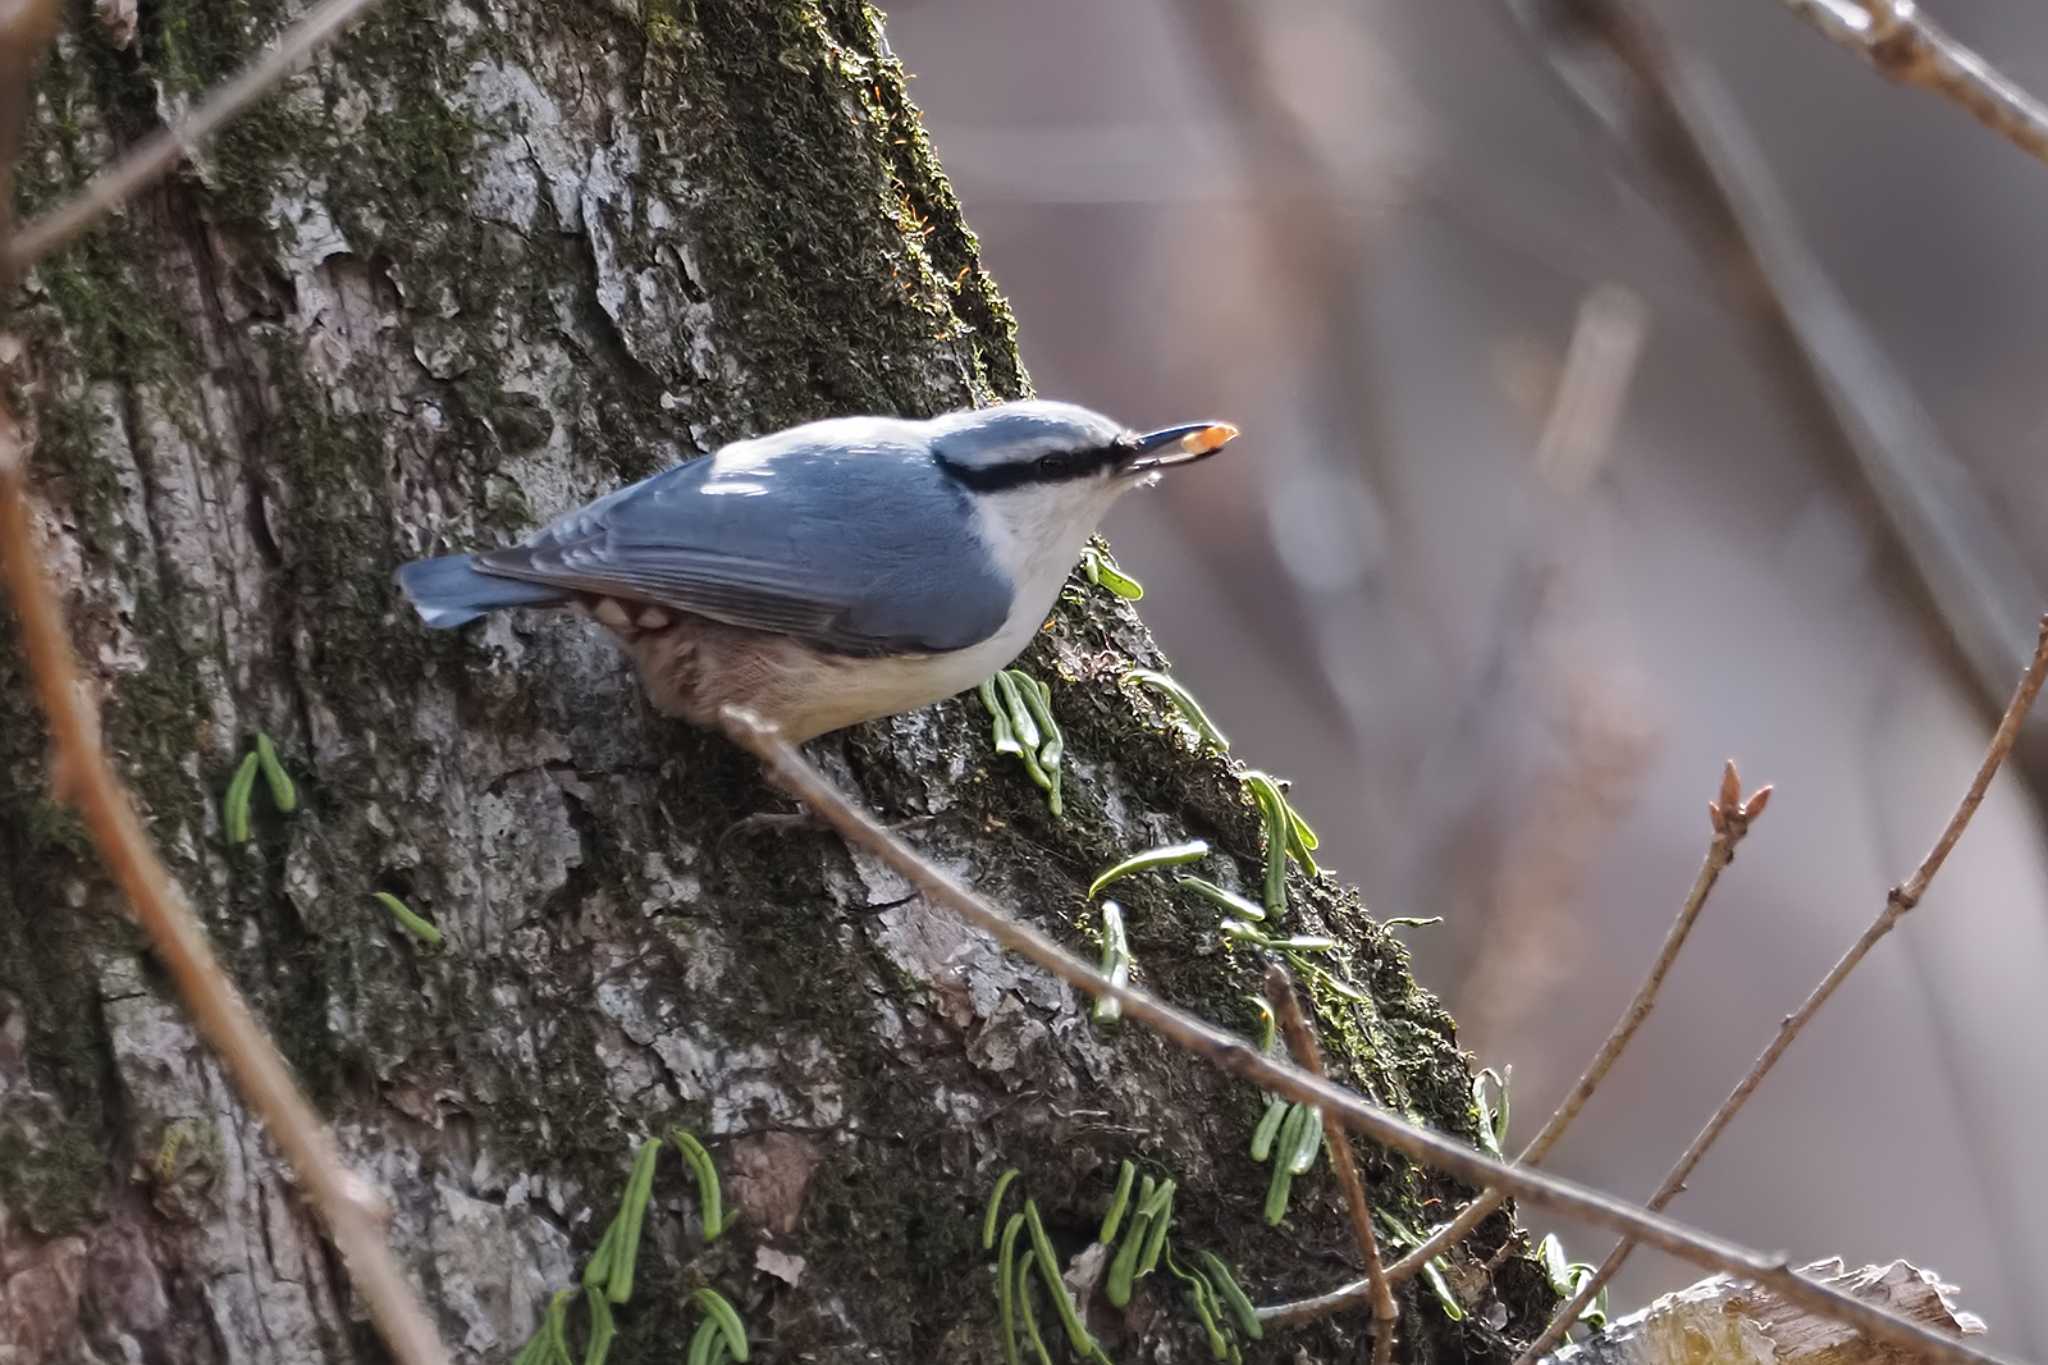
(1901, 899)
(1730, 817)
(1301, 1041)
(353, 1211)
(1237, 1057)
(152, 158)
(1905, 46)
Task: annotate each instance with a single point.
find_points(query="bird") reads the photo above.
(834, 572)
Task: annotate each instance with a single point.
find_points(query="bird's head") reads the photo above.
(1058, 465)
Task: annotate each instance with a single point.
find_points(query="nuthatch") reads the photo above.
(834, 572)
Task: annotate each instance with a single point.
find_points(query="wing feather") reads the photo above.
(791, 538)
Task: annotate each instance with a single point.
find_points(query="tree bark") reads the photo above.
(484, 261)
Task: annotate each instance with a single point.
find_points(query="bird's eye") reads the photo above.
(1056, 466)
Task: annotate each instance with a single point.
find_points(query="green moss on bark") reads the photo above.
(53, 1164)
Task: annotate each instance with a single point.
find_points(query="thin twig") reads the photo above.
(1898, 902)
(1301, 1041)
(1730, 816)
(1907, 47)
(84, 778)
(1236, 1057)
(156, 154)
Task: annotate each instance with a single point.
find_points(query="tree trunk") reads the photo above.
(480, 263)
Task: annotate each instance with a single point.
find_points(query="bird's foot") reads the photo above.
(772, 822)
(799, 822)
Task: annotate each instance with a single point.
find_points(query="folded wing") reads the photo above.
(856, 544)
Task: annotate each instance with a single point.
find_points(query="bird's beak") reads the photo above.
(1172, 446)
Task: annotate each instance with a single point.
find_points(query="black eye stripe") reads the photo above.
(1073, 464)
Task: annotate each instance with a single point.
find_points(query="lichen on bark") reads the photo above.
(480, 262)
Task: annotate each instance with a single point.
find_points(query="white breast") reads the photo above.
(1034, 539)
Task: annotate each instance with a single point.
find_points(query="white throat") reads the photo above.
(1034, 537)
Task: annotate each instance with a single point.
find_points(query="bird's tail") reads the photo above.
(449, 592)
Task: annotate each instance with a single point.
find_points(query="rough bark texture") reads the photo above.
(484, 261)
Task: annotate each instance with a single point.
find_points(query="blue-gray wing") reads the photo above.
(844, 534)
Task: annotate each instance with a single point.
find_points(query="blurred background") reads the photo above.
(1624, 389)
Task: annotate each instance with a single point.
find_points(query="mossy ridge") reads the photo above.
(152, 721)
(45, 965)
(97, 319)
(823, 288)
(899, 142)
(89, 313)
(56, 1183)
(91, 316)
(386, 191)
(192, 46)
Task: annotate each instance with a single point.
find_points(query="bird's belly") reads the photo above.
(869, 688)
(695, 667)
(837, 691)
